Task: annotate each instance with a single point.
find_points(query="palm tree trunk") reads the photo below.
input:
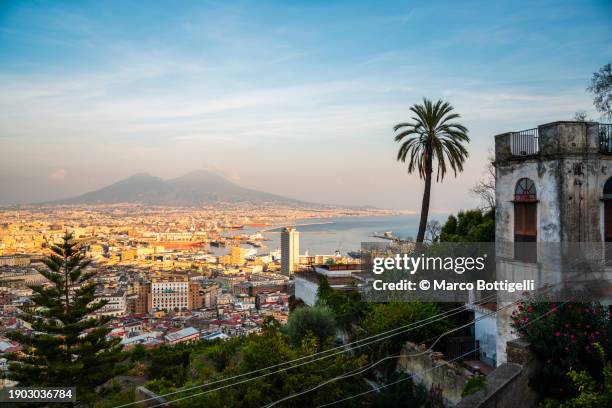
(426, 197)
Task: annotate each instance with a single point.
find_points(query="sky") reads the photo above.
(297, 98)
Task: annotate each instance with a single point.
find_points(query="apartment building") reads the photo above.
(169, 293)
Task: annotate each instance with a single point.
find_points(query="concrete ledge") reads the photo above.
(143, 394)
(508, 385)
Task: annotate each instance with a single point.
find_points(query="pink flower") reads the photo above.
(557, 334)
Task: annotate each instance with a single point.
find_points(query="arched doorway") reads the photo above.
(607, 199)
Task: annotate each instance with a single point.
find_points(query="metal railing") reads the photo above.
(525, 142)
(605, 138)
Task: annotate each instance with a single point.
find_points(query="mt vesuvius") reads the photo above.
(195, 188)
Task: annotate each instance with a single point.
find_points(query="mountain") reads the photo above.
(195, 188)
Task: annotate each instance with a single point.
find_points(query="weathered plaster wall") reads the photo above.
(485, 333)
(430, 371)
(569, 173)
(306, 290)
(508, 385)
(545, 175)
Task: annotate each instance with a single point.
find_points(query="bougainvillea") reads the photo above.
(563, 337)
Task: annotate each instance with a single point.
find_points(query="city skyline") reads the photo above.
(293, 99)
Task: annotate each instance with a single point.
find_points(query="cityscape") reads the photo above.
(174, 261)
(306, 204)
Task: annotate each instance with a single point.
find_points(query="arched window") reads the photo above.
(525, 190)
(607, 198)
(525, 220)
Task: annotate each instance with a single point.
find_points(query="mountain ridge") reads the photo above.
(193, 188)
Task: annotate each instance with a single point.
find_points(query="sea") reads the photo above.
(325, 236)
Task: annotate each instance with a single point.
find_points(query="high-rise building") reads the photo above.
(290, 250)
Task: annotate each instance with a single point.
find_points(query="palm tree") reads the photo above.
(431, 137)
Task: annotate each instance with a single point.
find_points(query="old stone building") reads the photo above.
(553, 190)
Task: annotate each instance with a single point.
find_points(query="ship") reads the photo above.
(355, 254)
(254, 244)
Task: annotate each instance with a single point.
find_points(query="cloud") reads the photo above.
(57, 175)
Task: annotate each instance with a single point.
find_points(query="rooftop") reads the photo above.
(177, 335)
(554, 138)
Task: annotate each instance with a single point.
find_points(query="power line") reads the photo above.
(274, 372)
(369, 366)
(342, 349)
(400, 380)
(311, 361)
(423, 372)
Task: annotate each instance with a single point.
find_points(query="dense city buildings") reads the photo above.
(167, 275)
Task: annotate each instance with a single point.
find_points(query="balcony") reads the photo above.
(550, 140)
(605, 138)
(526, 143)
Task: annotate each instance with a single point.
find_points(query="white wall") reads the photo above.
(306, 290)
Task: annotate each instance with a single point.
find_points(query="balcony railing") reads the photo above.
(525, 142)
(605, 138)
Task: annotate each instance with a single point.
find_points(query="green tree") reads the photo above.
(470, 226)
(388, 316)
(431, 137)
(271, 347)
(601, 88)
(318, 320)
(169, 363)
(592, 394)
(68, 346)
(347, 305)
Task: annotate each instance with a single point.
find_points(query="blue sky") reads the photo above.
(295, 98)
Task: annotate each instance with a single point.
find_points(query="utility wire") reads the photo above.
(430, 369)
(342, 349)
(365, 368)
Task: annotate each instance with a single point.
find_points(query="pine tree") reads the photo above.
(68, 347)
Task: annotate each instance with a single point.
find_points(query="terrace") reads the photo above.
(555, 138)
(605, 138)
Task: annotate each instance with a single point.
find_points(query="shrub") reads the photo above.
(474, 384)
(319, 320)
(564, 340)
